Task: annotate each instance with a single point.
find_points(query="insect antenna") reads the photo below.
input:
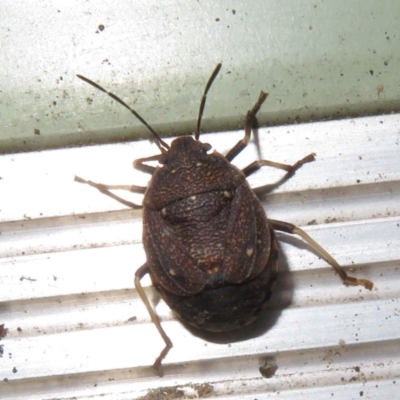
(160, 143)
(203, 99)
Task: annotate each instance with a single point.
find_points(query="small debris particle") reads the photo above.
(329, 220)
(233, 11)
(312, 222)
(101, 27)
(26, 278)
(361, 393)
(342, 342)
(131, 319)
(14, 370)
(203, 390)
(190, 391)
(217, 19)
(165, 393)
(268, 369)
(36, 131)
(3, 331)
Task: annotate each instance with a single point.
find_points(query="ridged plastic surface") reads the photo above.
(77, 329)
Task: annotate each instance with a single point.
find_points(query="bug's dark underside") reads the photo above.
(228, 307)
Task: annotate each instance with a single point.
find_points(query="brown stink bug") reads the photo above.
(211, 250)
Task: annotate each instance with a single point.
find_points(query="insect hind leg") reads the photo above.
(140, 273)
(295, 230)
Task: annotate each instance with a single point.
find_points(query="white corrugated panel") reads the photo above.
(77, 329)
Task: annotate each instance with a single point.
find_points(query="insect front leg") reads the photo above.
(140, 273)
(105, 189)
(148, 169)
(294, 230)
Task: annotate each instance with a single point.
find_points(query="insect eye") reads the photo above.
(163, 159)
(205, 147)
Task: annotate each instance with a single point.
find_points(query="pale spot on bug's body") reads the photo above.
(193, 198)
(228, 194)
(250, 251)
(172, 272)
(163, 212)
(212, 271)
(200, 164)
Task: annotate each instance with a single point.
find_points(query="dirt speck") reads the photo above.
(191, 391)
(100, 28)
(329, 220)
(3, 331)
(268, 369)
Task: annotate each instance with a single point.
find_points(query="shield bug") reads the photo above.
(211, 250)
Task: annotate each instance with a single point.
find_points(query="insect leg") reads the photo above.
(290, 170)
(248, 126)
(105, 189)
(138, 164)
(294, 230)
(140, 273)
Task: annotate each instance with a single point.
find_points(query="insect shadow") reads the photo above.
(211, 251)
(281, 299)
